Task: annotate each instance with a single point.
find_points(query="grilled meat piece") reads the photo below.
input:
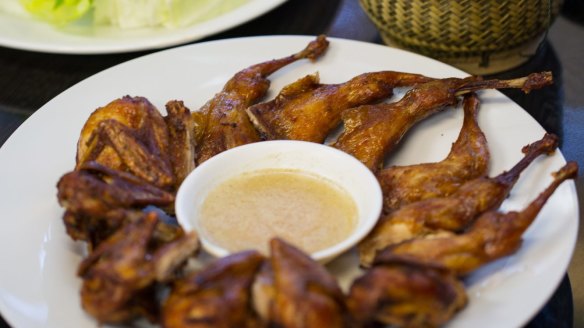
(295, 291)
(468, 159)
(308, 110)
(119, 275)
(492, 236)
(372, 131)
(405, 294)
(452, 213)
(128, 134)
(218, 296)
(226, 122)
(98, 200)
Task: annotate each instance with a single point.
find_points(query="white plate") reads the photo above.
(38, 285)
(19, 30)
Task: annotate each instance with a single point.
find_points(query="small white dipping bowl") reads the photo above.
(327, 162)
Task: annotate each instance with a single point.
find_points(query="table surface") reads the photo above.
(28, 80)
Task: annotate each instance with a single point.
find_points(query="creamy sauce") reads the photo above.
(246, 211)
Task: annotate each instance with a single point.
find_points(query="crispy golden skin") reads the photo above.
(128, 134)
(307, 110)
(134, 112)
(129, 157)
(218, 296)
(299, 292)
(492, 236)
(119, 275)
(468, 159)
(405, 295)
(226, 122)
(94, 190)
(98, 200)
(372, 131)
(452, 213)
(182, 129)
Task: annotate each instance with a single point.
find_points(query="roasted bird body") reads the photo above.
(129, 156)
(492, 236)
(468, 159)
(452, 213)
(119, 275)
(218, 296)
(99, 200)
(128, 134)
(226, 123)
(308, 110)
(372, 131)
(94, 190)
(405, 294)
(294, 291)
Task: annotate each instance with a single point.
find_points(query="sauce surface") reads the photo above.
(246, 211)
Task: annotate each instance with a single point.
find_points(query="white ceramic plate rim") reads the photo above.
(25, 33)
(38, 287)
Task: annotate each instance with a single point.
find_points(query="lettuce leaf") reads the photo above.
(128, 14)
(58, 12)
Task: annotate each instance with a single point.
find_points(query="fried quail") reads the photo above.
(492, 236)
(98, 200)
(452, 213)
(218, 296)
(298, 292)
(119, 275)
(226, 122)
(129, 157)
(468, 159)
(405, 294)
(128, 134)
(372, 131)
(308, 110)
(94, 189)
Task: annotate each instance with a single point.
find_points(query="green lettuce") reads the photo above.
(58, 12)
(130, 13)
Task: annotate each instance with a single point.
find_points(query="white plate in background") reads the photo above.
(19, 30)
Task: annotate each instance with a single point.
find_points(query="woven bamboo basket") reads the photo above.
(478, 36)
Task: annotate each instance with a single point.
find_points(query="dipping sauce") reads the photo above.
(246, 211)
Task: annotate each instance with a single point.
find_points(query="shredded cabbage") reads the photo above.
(58, 12)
